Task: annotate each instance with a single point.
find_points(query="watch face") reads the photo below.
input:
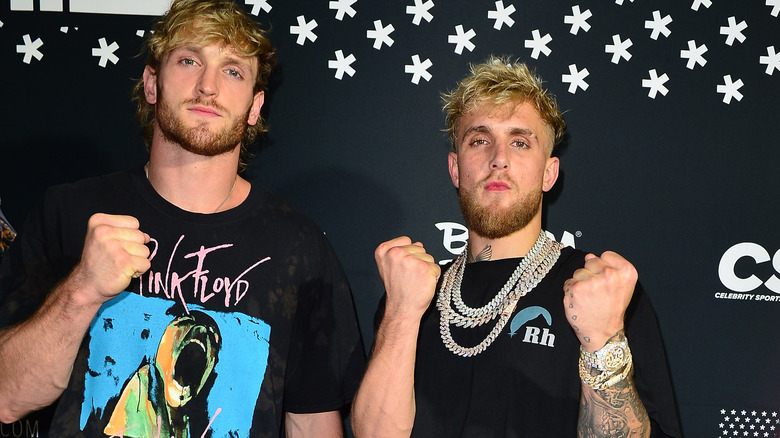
(613, 356)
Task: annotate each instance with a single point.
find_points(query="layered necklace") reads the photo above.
(531, 270)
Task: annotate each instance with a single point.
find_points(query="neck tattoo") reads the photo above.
(531, 270)
(230, 192)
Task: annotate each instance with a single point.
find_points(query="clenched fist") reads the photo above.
(114, 252)
(409, 275)
(596, 298)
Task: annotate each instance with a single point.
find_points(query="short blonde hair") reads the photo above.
(205, 22)
(498, 81)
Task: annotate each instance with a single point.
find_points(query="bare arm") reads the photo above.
(616, 411)
(384, 405)
(318, 425)
(37, 355)
(595, 301)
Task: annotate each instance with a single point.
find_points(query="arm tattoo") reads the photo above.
(485, 254)
(613, 412)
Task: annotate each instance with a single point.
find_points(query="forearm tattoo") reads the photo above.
(613, 412)
(485, 254)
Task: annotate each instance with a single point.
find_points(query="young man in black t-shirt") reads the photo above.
(524, 338)
(179, 299)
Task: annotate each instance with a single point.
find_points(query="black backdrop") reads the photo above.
(678, 176)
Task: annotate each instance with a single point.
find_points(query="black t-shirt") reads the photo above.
(244, 315)
(526, 384)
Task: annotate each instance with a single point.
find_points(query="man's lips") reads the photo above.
(497, 186)
(204, 111)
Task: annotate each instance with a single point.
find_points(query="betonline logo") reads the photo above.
(123, 7)
(742, 286)
(456, 235)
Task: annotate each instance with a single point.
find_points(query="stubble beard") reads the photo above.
(491, 222)
(199, 139)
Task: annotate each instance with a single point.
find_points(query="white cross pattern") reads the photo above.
(694, 54)
(419, 69)
(772, 60)
(538, 44)
(620, 2)
(304, 30)
(420, 11)
(730, 90)
(734, 31)
(502, 15)
(696, 3)
(462, 39)
(575, 78)
(775, 4)
(381, 34)
(656, 84)
(105, 52)
(578, 20)
(342, 64)
(30, 49)
(343, 7)
(257, 5)
(658, 25)
(619, 49)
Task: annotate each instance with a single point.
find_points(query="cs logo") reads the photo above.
(759, 255)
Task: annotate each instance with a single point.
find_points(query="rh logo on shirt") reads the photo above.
(533, 335)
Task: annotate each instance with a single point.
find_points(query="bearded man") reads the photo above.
(99, 272)
(525, 338)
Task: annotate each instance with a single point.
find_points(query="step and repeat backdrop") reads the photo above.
(671, 156)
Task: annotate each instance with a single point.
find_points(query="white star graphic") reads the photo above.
(343, 7)
(30, 49)
(696, 3)
(381, 34)
(419, 69)
(619, 49)
(658, 25)
(656, 85)
(620, 2)
(730, 90)
(257, 5)
(342, 64)
(304, 30)
(462, 39)
(734, 31)
(576, 78)
(420, 11)
(105, 52)
(578, 20)
(502, 15)
(695, 55)
(538, 44)
(775, 4)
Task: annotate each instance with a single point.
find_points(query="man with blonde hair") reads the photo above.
(525, 337)
(178, 299)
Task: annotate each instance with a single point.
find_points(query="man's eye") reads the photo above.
(188, 61)
(233, 72)
(478, 142)
(519, 144)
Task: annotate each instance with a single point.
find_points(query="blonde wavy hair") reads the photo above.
(204, 22)
(498, 81)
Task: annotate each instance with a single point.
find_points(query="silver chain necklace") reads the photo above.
(531, 270)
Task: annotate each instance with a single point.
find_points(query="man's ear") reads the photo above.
(150, 85)
(550, 173)
(254, 110)
(452, 159)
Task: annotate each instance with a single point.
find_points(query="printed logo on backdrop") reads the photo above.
(124, 7)
(762, 423)
(455, 236)
(749, 273)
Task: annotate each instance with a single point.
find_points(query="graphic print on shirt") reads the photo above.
(532, 334)
(193, 374)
